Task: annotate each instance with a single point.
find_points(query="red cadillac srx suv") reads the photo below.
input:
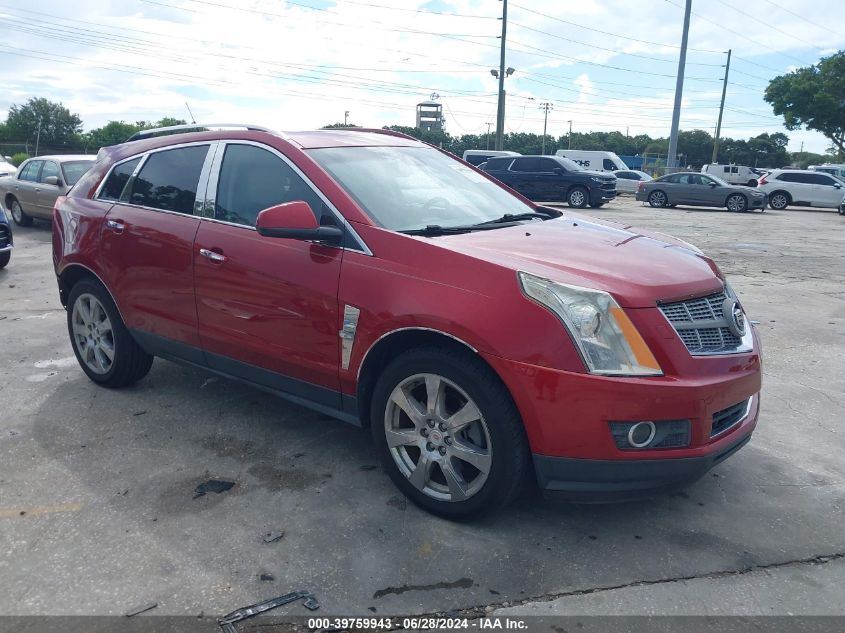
(484, 340)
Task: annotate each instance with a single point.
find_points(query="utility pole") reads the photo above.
(38, 136)
(488, 135)
(500, 110)
(193, 120)
(672, 159)
(570, 133)
(721, 110)
(346, 117)
(546, 107)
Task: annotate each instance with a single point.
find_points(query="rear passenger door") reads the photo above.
(526, 177)
(147, 245)
(267, 307)
(26, 184)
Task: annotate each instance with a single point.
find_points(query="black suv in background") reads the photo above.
(553, 179)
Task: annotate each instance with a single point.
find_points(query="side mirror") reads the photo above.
(558, 170)
(51, 180)
(296, 221)
(838, 186)
(713, 185)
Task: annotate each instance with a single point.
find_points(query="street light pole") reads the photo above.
(500, 110)
(488, 135)
(38, 136)
(546, 107)
(346, 117)
(570, 133)
(672, 159)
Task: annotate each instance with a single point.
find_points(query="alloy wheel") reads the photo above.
(657, 199)
(438, 437)
(778, 201)
(577, 198)
(93, 335)
(17, 212)
(737, 202)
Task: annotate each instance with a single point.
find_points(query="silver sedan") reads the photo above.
(699, 190)
(32, 191)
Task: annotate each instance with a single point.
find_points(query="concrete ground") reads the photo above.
(97, 514)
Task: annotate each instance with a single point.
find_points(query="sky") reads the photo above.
(289, 65)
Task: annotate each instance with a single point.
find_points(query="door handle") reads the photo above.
(115, 225)
(215, 257)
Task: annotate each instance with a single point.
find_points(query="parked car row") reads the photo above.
(699, 189)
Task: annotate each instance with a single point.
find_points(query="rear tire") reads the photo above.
(4, 258)
(105, 349)
(461, 451)
(578, 197)
(658, 199)
(18, 214)
(751, 183)
(779, 200)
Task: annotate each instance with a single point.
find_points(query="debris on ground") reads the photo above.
(272, 537)
(213, 485)
(267, 577)
(227, 622)
(141, 609)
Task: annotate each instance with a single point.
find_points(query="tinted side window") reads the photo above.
(806, 179)
(476, 159)
(49, 169)
(626, 175)
(497, 164)
(253, 179)
(785, 177)
(117, 180)
(821, 179)
(30, 172)
(169, 179)
(608, 164)
(549, 164)
(527, 164)
(674, 179)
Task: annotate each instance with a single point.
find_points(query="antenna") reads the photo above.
(193, 120)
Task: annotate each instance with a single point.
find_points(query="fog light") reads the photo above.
(650, 435)
(641, 434)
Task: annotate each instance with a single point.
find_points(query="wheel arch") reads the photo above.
(784, 192)
(72, 274)
(738, 193)
(658, 190)
(394, 343)
(7, 200)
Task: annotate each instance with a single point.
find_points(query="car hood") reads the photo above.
(638, 267)
(592, 172)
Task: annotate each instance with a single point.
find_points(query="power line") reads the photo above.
(771, 26)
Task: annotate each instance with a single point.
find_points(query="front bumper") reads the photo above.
(757, 203)
(602, 481)
(600, 196)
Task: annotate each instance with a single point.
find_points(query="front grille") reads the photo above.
(701, 325)
(726, 418)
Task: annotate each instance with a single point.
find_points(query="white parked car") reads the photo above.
(734, 174)
(7, 168)
(595, 161)
(478, 156)
(627, 180)
(802, 188)
(833, 170)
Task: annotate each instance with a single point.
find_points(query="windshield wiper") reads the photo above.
(436, 229)
(507, 218)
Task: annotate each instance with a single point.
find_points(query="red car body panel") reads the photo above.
(272, 303)
(278, 304)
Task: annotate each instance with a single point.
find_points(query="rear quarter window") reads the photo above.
(116, 182)
(498, 164)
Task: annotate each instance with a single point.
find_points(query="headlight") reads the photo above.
(595, 179)
(607, 339)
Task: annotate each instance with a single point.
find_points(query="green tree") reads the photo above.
(58, 125)
(813, 97)
(111, 133)
(334, 126)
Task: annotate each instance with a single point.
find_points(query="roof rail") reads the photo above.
(195, 127)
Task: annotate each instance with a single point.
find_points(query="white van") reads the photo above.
(478, 156)
(828, 168)
(734, 174)
(596, 161)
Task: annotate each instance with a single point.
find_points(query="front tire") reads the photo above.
(18, 214)
(578, 197)
(736, 202)
(448, 433)
(779, 200)
(101, 342)
(4, 259)
(658, 199)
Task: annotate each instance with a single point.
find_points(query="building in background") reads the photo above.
(430, 116)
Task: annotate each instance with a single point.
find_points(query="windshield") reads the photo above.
(74, 170)
(408, 188)
(569, 164)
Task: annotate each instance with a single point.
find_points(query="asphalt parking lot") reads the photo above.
(98, 511)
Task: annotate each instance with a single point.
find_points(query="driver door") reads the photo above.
(267, 307)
